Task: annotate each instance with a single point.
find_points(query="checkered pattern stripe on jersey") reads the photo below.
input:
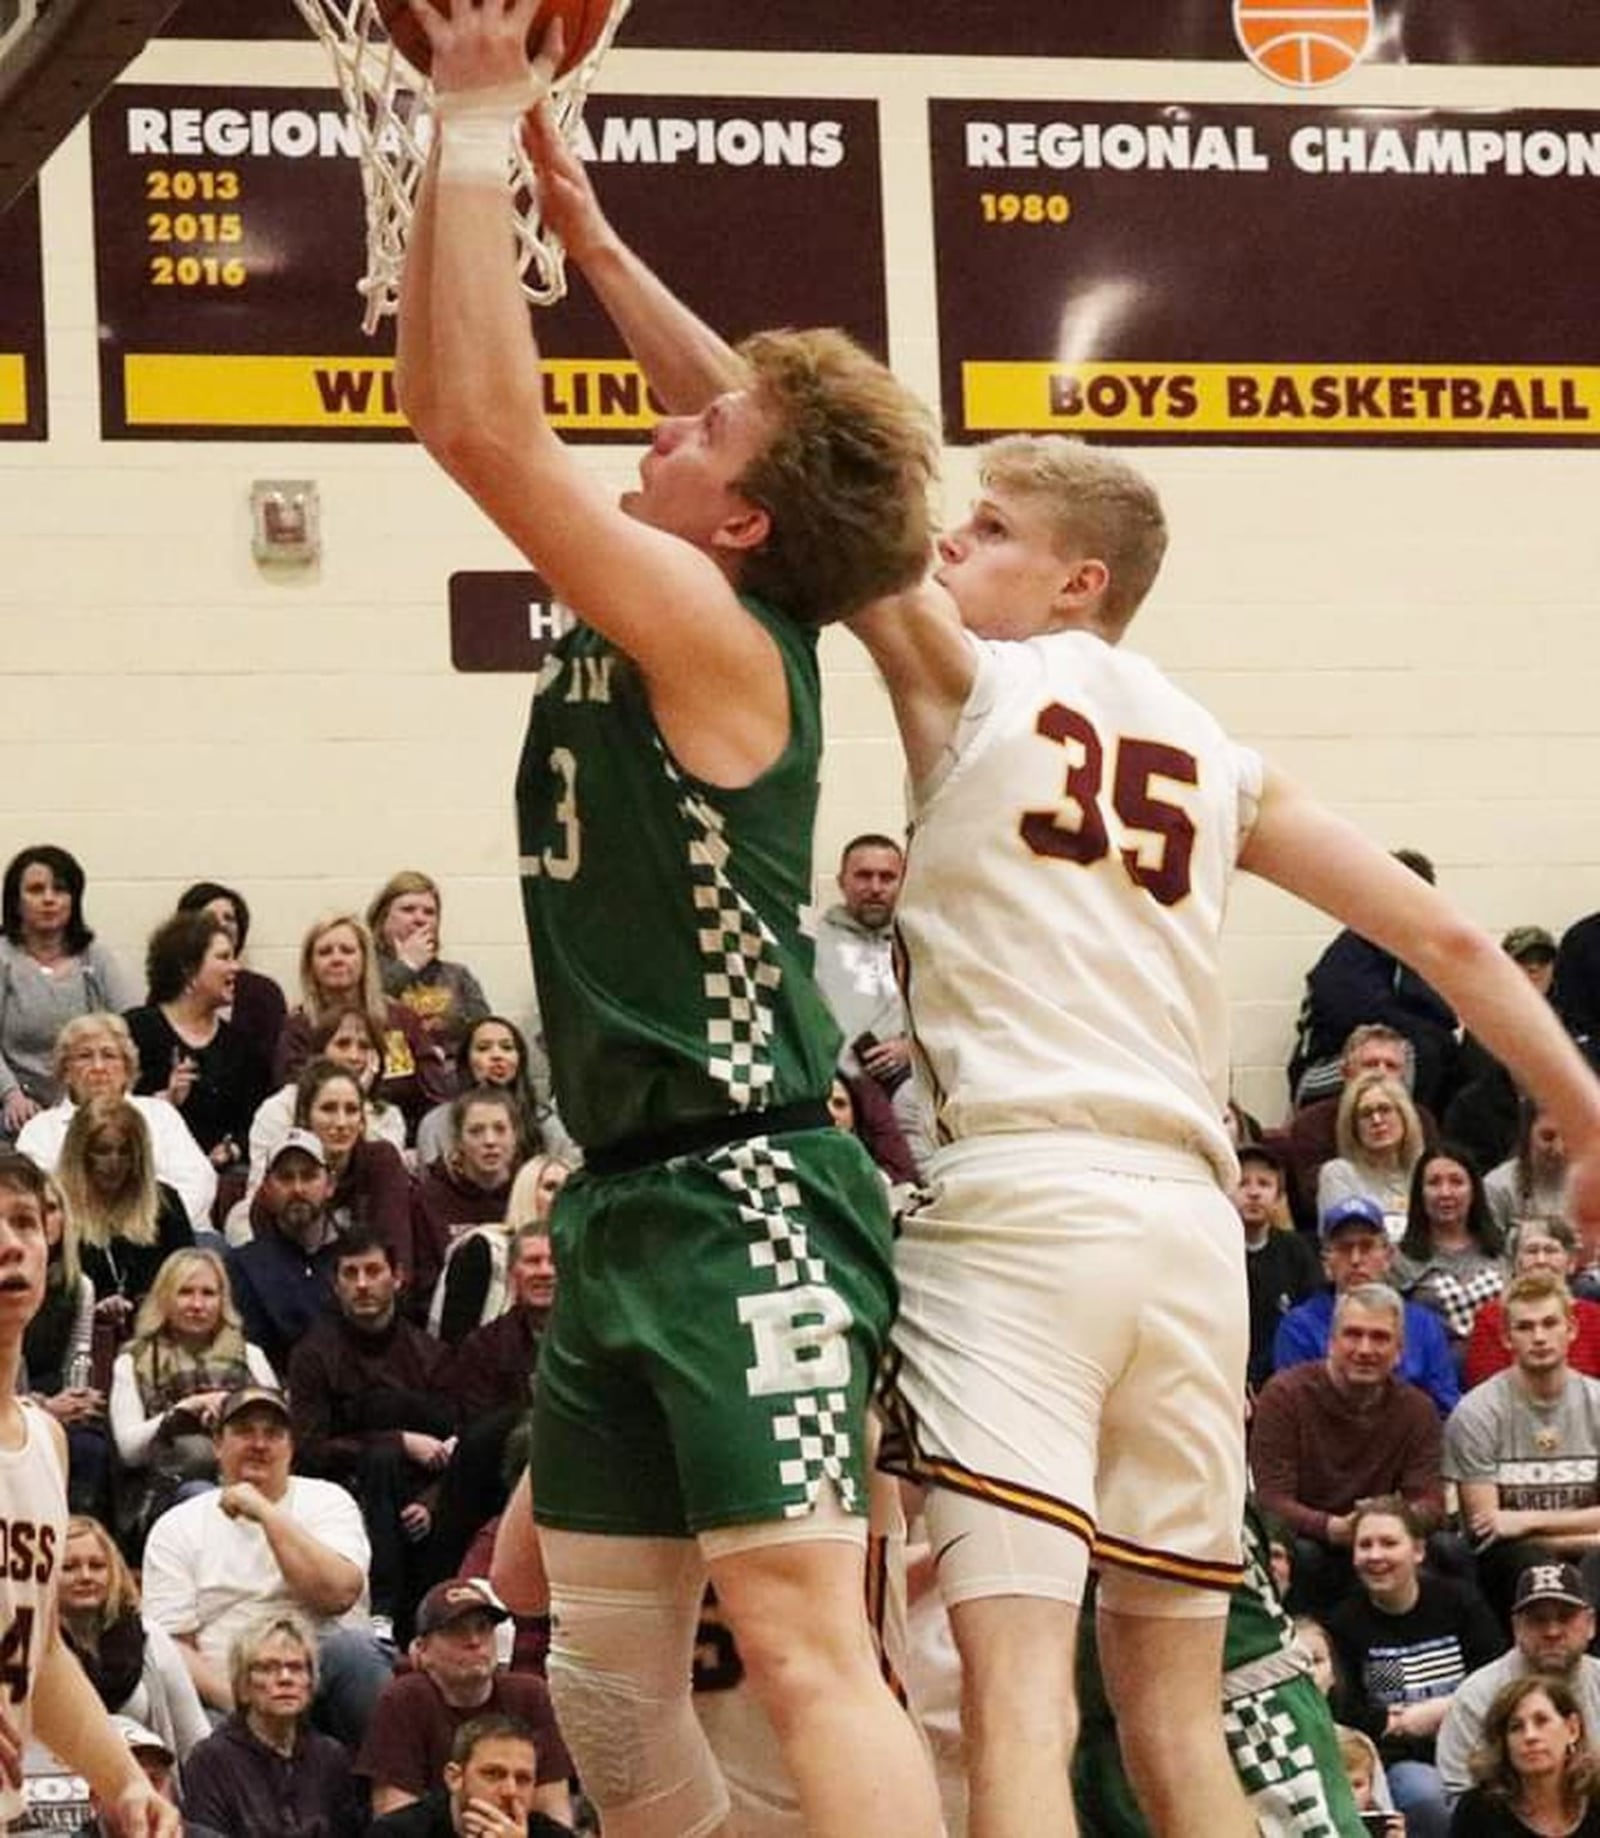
(739, 959)
(1277, 1768)
(812, 1430)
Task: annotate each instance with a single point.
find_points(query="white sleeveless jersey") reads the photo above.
(33, 1531)
(1064, 898)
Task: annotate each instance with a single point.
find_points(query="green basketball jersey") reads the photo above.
(663, 914)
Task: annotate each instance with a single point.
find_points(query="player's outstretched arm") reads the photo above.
(70, 1720)
(472, 385)
(1306, 849)
(685, 362)
(928, 662)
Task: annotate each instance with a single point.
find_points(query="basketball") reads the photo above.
(1304, 43)
(584, 21)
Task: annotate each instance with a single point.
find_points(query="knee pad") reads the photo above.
(621, 1649)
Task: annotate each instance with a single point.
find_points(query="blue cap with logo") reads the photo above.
(1354, 1209)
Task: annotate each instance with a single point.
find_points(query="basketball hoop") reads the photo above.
(388, 104)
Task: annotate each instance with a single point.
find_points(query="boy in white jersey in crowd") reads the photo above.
(43, 1690)
(1072, 1339)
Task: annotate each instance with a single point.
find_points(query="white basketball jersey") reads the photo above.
(1064, 899)
(33, 1531)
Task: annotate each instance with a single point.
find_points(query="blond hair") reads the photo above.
(368, 995)
(135, 1213)
(1349, 1141)
(407, 880)
(122, 1588)
(845, 477)
(1098, 506)
(151, 1321)
(100, 1021)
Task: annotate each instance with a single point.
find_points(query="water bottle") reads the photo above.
(80, 1374)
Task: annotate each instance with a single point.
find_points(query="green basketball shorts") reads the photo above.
(717, 1325)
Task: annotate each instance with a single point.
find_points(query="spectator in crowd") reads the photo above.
(1575, 987)
(1552, 1624)
(134, 1665)
(1536, 1771)
(455, 1680)
(58, 1357)
(269, 1540)
(465, 1189)
(1364, 1771)
(488, 1792)
(1483, 1115)
(1406, 1641)
(338, 968)
(1354, 981)
(1356, 1249)
(258, 1008)
(476, 1285)
(156, 1759)
(368, 1182)
(127, 1221)
(490, 1379)
(1380, 1143)
(1539, 1245)
(349, 1039)
(1325, 1436)
(368, 1410)
(855, 960)
(1449, 1257)
(1524, 1447)
(861, 1107)
(168, 1386)
(1532, 1183)
(283, 1278)
(265, 1773)
(188, 1053)
(495, 1053)
(50, 970)
(445, 997)
(95, 1058)
(1312, 1135)
(1280, 1266)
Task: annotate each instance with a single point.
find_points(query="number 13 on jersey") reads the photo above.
(562, 859)
(1077, 831)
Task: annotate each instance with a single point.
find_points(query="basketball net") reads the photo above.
(388, 105)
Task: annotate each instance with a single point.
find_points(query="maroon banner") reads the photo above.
(229, 239)
(23, 413)
(1164, 272)
(1405, 31)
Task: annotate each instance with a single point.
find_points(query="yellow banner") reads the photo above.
(1276, 399)
(13, 391)
(210, 391)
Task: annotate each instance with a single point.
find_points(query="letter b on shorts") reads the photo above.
(799, 1340)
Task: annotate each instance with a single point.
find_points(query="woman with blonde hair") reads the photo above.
(1379, 1138)
(187, 1353)
(339, 970)
(1534, 1769)
(127, 1221)
(58, 1357)
(445, 997)
(132, 1663)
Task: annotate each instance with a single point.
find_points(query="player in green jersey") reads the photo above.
(724, 1282)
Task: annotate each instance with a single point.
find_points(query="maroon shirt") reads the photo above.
(492, 1368)
(1313, 1454)
(416, 1075)
(234, 1782)
(408, 1740)
(443, 1207)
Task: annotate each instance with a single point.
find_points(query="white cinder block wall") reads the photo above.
(1411, 633)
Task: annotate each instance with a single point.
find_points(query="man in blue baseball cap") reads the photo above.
(1357, 1249)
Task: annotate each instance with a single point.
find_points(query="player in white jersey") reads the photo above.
(43, 1690)
(1073, 1310)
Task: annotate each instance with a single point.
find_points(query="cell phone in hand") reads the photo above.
(1378, 1823)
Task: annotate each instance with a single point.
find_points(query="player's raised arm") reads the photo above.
(655, 582)
(1304, 847)
(928, 662)
(685, 362)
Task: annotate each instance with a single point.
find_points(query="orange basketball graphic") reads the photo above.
(1304, 43)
